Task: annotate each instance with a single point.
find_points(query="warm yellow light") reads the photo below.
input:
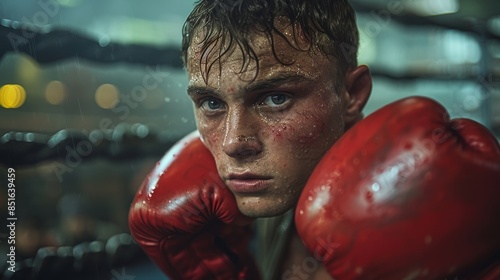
(55, 92)
(12, 96)
(107, 96)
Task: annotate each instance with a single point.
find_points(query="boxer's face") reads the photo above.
(267, 134)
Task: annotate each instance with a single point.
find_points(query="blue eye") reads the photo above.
(275, 100)
(211, 104)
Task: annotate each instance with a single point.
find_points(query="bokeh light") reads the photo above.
(107, 96)
(55, 92)
(12, 96)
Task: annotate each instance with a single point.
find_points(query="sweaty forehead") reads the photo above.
(205, 63)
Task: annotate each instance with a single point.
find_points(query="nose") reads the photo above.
(240, 137)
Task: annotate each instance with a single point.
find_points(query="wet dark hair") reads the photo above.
(328, 25)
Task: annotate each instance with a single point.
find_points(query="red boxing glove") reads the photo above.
(406, 194)
(187, 220)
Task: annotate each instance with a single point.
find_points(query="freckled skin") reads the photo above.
(247, 134)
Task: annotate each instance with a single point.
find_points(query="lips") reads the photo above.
(247, 182)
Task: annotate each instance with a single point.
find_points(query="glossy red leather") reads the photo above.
(187, 220)
(406, 193)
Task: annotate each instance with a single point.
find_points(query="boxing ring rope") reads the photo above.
(87, 260)
(49, 46)
(19, 149)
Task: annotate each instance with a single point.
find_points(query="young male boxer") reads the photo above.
(274, 85)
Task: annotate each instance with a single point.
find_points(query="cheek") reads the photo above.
(210, 139)
(304, 131)
(208, 134)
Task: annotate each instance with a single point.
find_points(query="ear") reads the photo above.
(358, 86)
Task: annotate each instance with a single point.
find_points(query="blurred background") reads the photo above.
(92, 93)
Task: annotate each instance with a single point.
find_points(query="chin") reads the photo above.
(258, 207)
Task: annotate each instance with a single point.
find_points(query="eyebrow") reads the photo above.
(200, 91)
(284, 78)
(272, 82)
